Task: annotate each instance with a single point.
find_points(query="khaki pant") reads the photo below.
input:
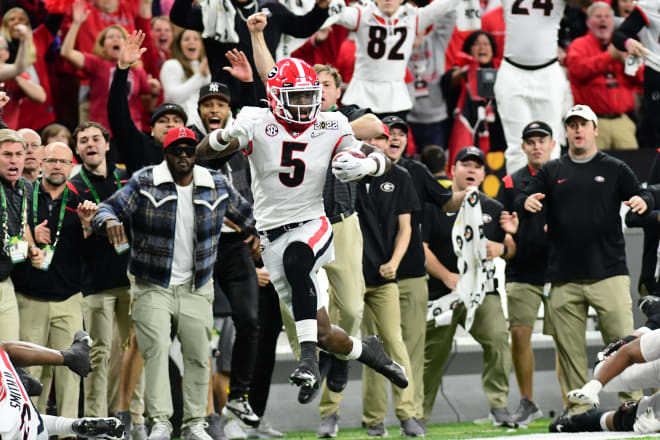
(53, 324)
(568, 307)
(154, 310)
(523, 301)
(489, 329)
(100, 311)
(346, 292)
(8, 312)
(413, 298)
(616, 134)
(382, 316)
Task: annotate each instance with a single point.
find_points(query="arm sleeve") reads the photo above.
(407, 201)
(583, 64)
(428, 224)
(646, 220)
(654, 173)
(432, 12)
(300, 26)
(349, 18)
(184, 14)
(435, 193)
(119, 206)
(126, 135)
(629, 186)
(176, 88)
(628, 29)
(505, 193)
(497, 210)
(239, 210)
(536, 185)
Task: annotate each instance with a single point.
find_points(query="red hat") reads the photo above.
(179, 135)
(386, 130)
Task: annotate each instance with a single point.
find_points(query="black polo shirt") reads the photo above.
(531, 258)
(582, 203)
(427, 188)
(437, 233)
(14, 196)
(63, 278)
(380, 201)
(102, 268)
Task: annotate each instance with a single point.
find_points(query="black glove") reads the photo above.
(76, 357)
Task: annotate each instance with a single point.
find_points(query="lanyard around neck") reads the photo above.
(85, 179)
(5, 215)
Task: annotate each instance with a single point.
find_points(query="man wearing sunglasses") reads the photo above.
(176, 211)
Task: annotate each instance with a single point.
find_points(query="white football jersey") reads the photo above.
(531, 30)
(650, 34)
(19, 420)
(382, 49)
(288, 168)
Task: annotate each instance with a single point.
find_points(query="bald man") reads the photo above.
(33, 147)
(49, 298)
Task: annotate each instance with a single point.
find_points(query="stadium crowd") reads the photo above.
(158, 192)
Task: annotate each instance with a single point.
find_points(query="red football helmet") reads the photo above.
(294, 92)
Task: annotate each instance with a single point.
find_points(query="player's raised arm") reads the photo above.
(432, 12)
(262, 56)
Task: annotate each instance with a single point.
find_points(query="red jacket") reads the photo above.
(32, 114)
(597, 80)
(493, 23)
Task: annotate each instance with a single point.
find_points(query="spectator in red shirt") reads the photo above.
(33, 114)
(103, 13)
(20, 88)
(99, 66)
(158, 39)
(596, 72)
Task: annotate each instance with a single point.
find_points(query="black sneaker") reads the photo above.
(307, 374)
(125, 419)
(374, 356)
(338, 375)
(240, 408)
(99, 427)
(307, 394)
(527, 412)
(563, 423)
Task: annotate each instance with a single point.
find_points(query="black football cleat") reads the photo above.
(374, 356)
(99, 427)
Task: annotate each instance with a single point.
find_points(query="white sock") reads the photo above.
(58, 425)
(592, 388)
(307, 330)
(356, 350)
(603, 424)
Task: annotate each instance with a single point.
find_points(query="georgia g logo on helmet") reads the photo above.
(294, 93)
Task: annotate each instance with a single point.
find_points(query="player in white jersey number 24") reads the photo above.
(290, 145)
(19, 419)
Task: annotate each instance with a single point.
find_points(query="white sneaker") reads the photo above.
(197, 431)
(264, 430)
(582, 396)
(161, 430)
(233, 430)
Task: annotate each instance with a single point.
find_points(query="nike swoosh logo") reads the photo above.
(561, 180)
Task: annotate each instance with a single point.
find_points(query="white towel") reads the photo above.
(218, 17)
(476, 273)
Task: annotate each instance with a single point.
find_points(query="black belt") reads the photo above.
(526, 67)
(341, 216)
(610, 116)
(275, 233)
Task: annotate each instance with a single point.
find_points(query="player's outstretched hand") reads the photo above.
(241, 127)
(76, 357)
(347, 167)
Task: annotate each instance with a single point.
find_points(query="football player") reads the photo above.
(290, 145)
(19, 419)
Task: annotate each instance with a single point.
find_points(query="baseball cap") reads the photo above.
(536, 127)
(214, 90)
(470, 153)
(395, 121)
(166, 108)
(583, 111)
(178, 136)
(386, 130)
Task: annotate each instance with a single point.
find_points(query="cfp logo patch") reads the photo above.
(272, 130)
(326, 125)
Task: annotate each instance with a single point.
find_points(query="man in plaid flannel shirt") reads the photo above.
(176, 210)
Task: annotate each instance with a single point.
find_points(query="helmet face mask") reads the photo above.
(294, 92)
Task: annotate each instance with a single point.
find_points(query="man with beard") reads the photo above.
(213, 108)
(32, 166)
(49, 298)
(104, 283)
(176, 212)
